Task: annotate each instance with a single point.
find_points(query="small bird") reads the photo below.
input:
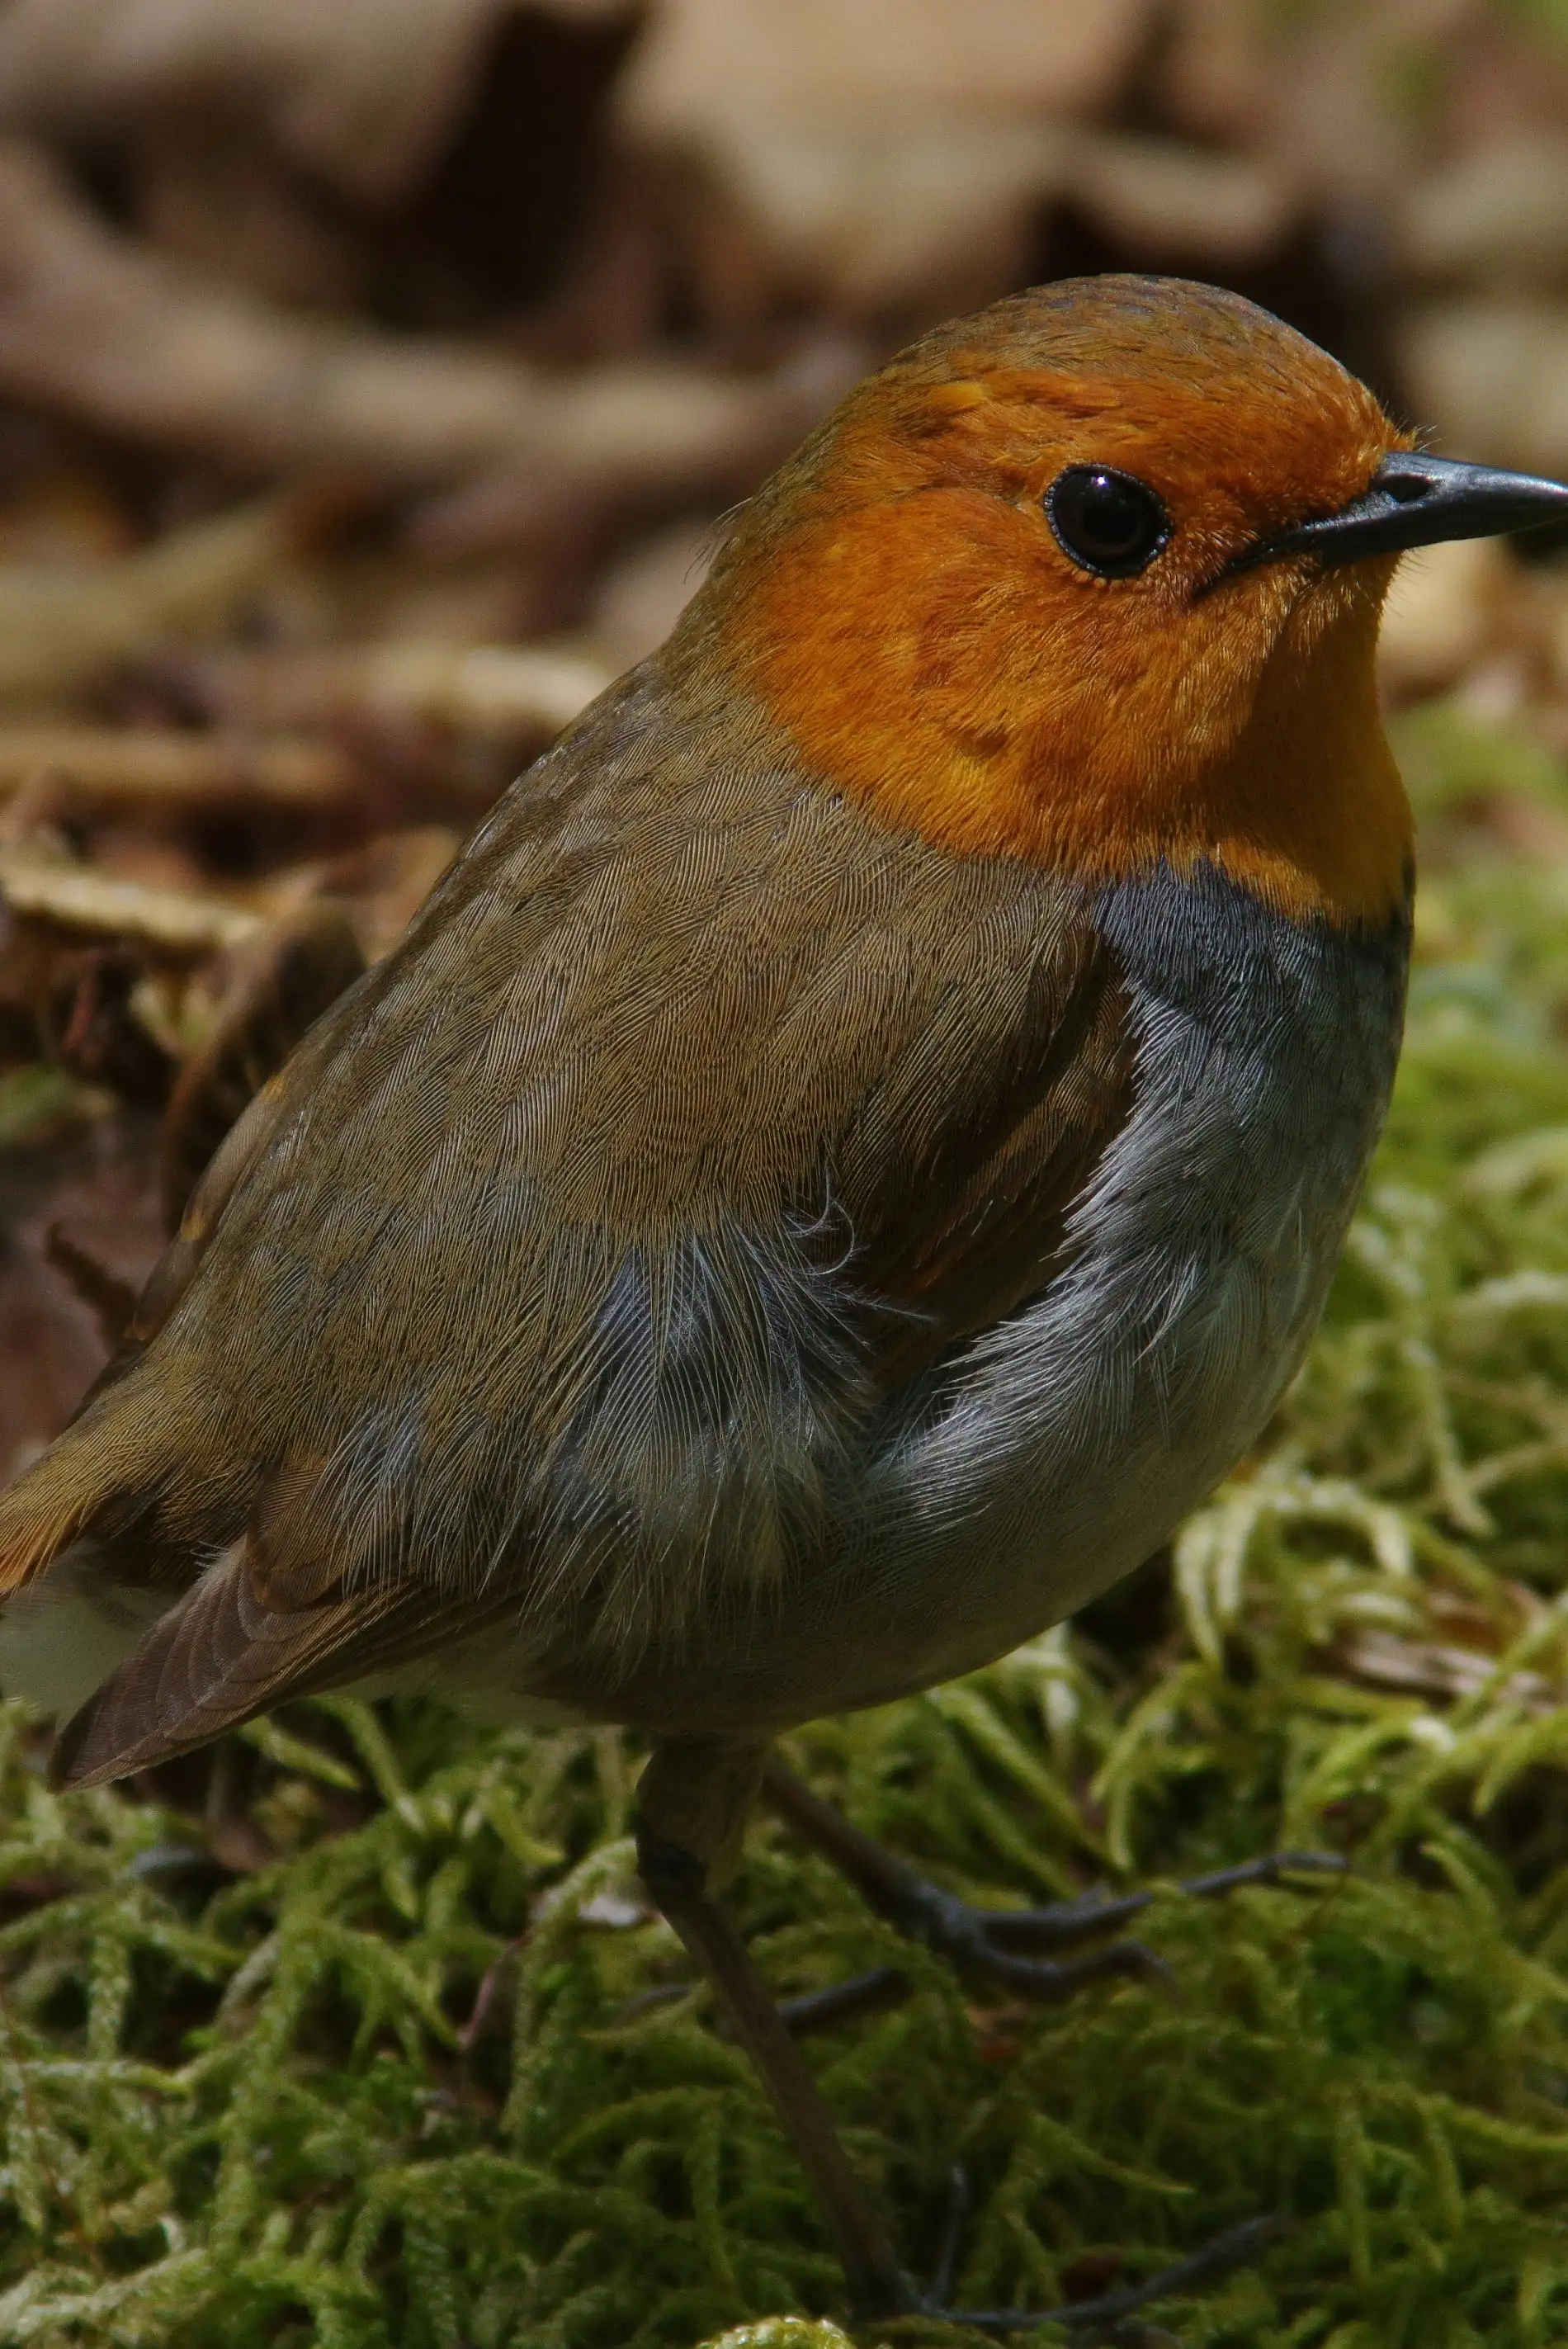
(852, 1151)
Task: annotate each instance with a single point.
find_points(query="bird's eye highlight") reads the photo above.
(1106, 522)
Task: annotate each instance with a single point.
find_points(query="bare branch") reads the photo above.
(501, 693)
(169, 922)
(100, 328)
(110, 767)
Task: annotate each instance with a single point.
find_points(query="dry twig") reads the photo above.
(105, 330)
(502, 693)
(169, 922)
(110, 767)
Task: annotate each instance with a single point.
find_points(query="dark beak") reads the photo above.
(1415, 501)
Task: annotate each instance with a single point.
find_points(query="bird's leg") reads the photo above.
(1030, 1952)
(1025, 1951)
(692, 1804)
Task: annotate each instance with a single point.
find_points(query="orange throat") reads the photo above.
(925, 657)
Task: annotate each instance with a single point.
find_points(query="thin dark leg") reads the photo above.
(678, 1882)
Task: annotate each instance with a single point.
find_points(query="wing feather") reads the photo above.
(564, 1267)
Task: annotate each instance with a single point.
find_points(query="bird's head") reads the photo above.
(1094, 578)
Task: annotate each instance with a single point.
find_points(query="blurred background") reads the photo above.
(371, 376)
(372, 373)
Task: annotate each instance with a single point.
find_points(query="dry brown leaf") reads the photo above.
(707, 63)
(100, 1194)
(884, 212)
(1496, 215)
(1492, 373)
(643, 593)
(64, 625)
(1340, 109)
(502, 693)
(1217, 79)
(1172, 201)
(880, 169)
(1441, 614)
(880, 156)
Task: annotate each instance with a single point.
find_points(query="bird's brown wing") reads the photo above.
(226, 1105)
(584, 1240)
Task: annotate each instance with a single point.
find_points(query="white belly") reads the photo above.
(1077, 1433)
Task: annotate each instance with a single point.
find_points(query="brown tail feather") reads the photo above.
(215, 1659)
(220, 1655)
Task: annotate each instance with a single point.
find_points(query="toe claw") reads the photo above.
(1047, 1981)
(867, 1994)
(1105, 2317)
(953, 2220)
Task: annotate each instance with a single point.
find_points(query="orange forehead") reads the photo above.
(1231, 439)
(897, 598)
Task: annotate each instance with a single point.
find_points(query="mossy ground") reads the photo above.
(391, 2084)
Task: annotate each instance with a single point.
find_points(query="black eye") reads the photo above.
(1106, 522)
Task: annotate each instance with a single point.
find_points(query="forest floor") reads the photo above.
(342, 2034)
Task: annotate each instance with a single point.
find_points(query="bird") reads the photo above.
(852, 1151)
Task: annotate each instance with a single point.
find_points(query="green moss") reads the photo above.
(41, 1105)
(259, 2108)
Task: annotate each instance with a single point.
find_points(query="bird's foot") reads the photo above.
(1114, 2319)
(1025, 1950)
(1034, 1954)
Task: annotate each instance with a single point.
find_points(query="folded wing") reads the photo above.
(562, 1273)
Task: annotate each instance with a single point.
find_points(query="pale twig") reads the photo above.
(75, 897)
(502, 693)
(139, 767)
